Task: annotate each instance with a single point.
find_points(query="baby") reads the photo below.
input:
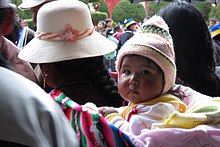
(146, 74)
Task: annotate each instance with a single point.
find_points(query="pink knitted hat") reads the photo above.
(154, 42)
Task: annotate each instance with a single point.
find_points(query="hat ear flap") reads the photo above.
(7, 25)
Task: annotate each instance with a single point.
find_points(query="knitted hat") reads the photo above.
(215, 30)
(129, 22)
(154, 42)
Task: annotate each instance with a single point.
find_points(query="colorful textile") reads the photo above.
(91, 128)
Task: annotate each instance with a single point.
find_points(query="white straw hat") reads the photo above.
(65, 31)
(28, 4)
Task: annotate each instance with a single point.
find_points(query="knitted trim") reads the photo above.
(142, 47)
(156, 30)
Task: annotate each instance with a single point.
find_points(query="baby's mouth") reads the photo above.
(133, 92)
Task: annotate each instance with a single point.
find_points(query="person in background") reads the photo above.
(8, 48)
(215, 34)
(109, 59)
(118, 31)
(80, 75)
(34, 6)
(213, 21)
(130, 25)
(101, 27)
(194, 53)
(25, 35)
(109, 35)
(108, 22)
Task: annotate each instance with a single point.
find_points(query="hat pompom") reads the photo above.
(157, 26)
(156, 21)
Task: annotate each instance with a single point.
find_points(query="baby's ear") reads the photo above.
(7, 25)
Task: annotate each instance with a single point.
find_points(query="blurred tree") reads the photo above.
(22, 14)
(125, 10)
(215, 11)
(103, 6)
(96, 16)
(205, 8)
(156, 6)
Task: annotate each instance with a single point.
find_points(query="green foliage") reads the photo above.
(22, 14)
(156, 6)
(125, 10)
(91, 1)
(205, 8)
(96, 16)
(85, 1)
(103, 7)
(30, 23)
(215, 12)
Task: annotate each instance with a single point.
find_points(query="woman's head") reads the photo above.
(154, 42)
(140, 79)
(191, 37)
(192, 45)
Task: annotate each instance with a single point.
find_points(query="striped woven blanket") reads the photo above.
(91, 129)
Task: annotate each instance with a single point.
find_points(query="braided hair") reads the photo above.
(89, 71)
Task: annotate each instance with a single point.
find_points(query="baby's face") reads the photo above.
(140, 79)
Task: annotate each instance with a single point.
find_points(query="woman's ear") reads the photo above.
(7, 25)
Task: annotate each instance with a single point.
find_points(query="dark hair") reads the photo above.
(103, 22)
(214, 19)
(3, 14)
(193, 47)
(107, 20)
(92, 71)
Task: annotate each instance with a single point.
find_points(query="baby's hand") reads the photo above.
(104, 111)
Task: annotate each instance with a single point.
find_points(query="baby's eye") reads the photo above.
(127, 72)
(145, 72)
